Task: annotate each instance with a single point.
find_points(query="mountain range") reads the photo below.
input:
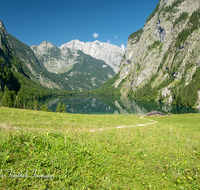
(80, 71)
(161, 62)
(59, 68)
(107, 52)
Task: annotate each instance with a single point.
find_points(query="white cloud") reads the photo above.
(123, 46)
(116, 37)
(95, 35)
(108, 41)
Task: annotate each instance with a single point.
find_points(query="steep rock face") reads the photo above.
(79, 71)
(109, 53)
(159, 32)
(54, 59)
(5, 43)
(167, 48)
(6, 51)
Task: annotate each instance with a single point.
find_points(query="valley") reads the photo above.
(74, 116)
(161, 62)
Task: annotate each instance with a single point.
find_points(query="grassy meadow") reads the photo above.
(45, 150)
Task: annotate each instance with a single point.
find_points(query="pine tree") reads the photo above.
(36, 105)
(160, 97)
(9, 97)
(2, 62)
(59, 107)
(64, 108)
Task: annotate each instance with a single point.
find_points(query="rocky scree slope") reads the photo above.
(107, 52)
(80, 71)
(164, 54)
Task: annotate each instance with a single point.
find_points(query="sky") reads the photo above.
(60, 21)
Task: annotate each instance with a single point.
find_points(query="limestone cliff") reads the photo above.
(107, 52)
(54, 59)
(165, 51)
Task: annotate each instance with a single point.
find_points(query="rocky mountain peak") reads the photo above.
(47, 44)
(2, 28)
(43, 47)
(1, 25)
(78, 71)
(107, 52)
(97, 42)
(166, 2)
(3, 35)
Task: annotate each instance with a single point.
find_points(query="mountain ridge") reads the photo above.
(85, 72)
(80, 71)
(107, 52)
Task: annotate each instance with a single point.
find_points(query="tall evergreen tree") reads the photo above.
(59, 108)
(64, 108)
(9, 97)
(36, 105)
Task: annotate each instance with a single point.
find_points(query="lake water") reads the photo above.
(102, 105)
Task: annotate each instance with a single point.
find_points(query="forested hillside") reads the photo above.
(23, 77)
(21, 74)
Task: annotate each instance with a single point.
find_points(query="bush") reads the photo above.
(136, 35)
(182, 17)
(45, 108)
(61, 108)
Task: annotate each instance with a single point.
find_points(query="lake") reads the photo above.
(109, 105)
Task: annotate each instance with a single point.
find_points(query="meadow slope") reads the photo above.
(42, 150)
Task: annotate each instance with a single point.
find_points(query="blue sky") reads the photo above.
(60, 21)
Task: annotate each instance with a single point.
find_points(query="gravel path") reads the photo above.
(4, 126)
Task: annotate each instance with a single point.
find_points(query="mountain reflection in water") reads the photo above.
(105, 105)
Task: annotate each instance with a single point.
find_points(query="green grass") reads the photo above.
(89, 152)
